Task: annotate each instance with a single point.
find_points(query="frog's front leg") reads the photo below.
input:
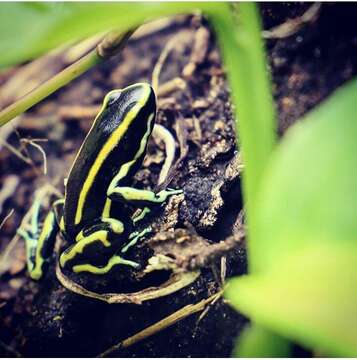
(100, 241)
(140, 197)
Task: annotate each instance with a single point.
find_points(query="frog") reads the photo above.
(96, 215)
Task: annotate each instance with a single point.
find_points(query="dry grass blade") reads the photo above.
(163, 324)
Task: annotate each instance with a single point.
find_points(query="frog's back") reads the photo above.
(116, 138)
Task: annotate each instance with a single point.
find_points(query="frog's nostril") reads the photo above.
(114, 96)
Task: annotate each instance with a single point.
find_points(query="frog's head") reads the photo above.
(133, 107)
(122, 128)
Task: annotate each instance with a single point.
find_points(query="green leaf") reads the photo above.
(30, 29)
(310, 297)
(310, 188)
(256, 341)
(245, 59)
(305, 288)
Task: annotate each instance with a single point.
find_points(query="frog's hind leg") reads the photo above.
(98, 240)
(39, 244)
(101, 270)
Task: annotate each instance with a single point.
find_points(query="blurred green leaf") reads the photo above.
(244, 57)
(310, 188)
(29, 29)
(305, 288)
(310, 297)
(255, 341)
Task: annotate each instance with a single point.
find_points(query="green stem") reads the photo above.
(107, 47)
(245, 61)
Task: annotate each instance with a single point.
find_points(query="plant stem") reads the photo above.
(245, 60)
(111, 44)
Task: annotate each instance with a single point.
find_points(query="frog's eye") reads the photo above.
(113, 97)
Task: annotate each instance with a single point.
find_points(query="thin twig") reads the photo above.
(112, 43)
(159, 25)
(16, 152)
(162, 324)
(33, 143)
(6, 218)
(205, 312)
(292, 26)
(199, 52)
(171, 86)
(160, 62)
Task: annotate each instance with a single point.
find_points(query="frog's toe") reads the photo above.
(174, 191)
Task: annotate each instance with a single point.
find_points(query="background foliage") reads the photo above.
(300, 195)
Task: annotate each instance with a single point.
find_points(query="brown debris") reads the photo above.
(190, 251)
(292, 26)
(199, 52)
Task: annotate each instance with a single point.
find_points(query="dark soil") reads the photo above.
(45, 319)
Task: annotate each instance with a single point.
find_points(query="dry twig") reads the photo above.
(292, 26)
(162, 324)
(199, 52)
(6, 218)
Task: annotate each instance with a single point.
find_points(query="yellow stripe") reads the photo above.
(36, 273)
(78, 248)
(104, 105)
(115, 225)
(61, 224)
(105, 151)
(126, 167)
(106, 210)
(115, 260)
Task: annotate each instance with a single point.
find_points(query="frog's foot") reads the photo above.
(135, 237)
(164, 194)
(95, 245)
(142, 215)
(139, 197)
(102, 270)
(39, 245)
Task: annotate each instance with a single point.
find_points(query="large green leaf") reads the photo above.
(309, 193)
(305, 286)
(310, 297)
(255, 341)
(29, 29)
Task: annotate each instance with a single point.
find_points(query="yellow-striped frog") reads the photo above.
(94, 215)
